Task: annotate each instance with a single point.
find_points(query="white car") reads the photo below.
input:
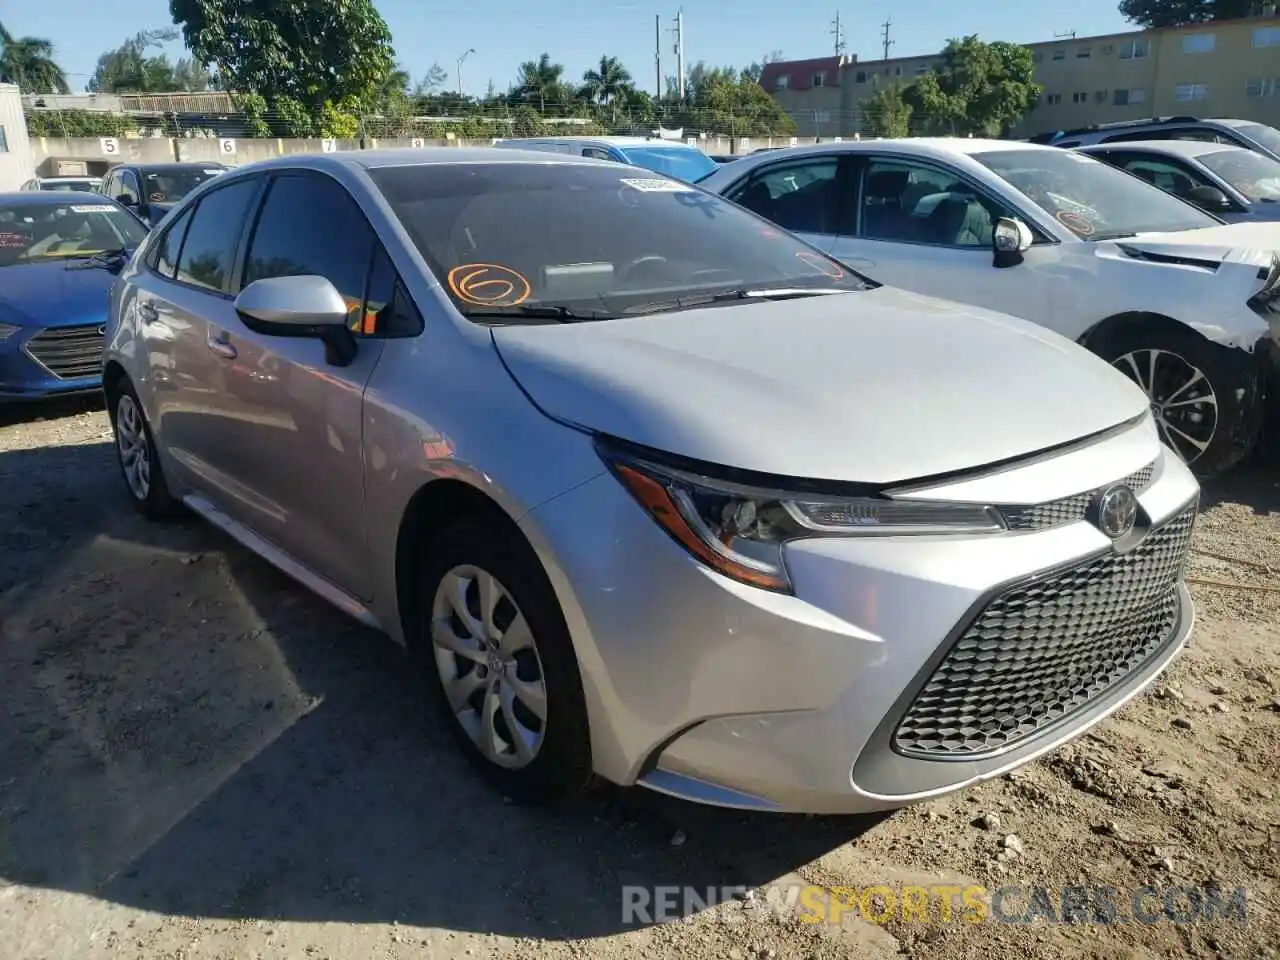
(1183, 303)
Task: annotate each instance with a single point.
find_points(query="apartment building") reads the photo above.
(1229, 68)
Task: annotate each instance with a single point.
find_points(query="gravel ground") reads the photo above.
(198, 759)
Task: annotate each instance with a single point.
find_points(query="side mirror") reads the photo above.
(126, 200)
(1010, 239)
(306, 306)
(1208, 198)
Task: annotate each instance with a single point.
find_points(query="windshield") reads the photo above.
(512, 239)
(1091, 199)
(1269, 137)
(172, 184)
(78, 186)
(679, 162)
(51, 231)
(1255, 176)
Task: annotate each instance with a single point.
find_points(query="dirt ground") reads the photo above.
(200, 760)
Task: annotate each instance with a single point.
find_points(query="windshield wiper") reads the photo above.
(730, 296)
(541, 312)
(94, 261)
(1117, 235)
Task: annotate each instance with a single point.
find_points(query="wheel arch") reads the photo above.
(113, 375)
(1101, 335)
(435, 505)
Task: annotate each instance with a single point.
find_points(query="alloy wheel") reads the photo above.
(133, 447)
(1182, 400)
(488, 663)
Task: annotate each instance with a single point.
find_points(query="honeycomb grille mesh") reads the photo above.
(1070, 509)
(1043, 650)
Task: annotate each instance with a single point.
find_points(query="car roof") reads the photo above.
(419, 156)
(936, 147)
(170, 165)
(615, 141)
(1187, 149)
(53, 198)
(59, 179)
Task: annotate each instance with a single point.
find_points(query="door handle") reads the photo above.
(148, 312)
(219, 341)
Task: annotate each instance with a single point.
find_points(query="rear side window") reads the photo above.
(209, 250)
(310, 225)
(165, 258)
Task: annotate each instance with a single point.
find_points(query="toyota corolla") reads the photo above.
(653, 490)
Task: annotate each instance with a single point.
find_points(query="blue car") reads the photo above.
(59, 254)
(1230, 182)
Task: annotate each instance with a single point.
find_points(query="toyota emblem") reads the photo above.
(1116, 511)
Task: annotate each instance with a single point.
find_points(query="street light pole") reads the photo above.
(460, 60)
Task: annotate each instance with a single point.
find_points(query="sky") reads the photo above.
(504, 33)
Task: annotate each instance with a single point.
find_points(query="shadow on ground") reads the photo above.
(188, 732)
(1255, 483)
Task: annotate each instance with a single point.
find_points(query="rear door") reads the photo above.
(812, 195)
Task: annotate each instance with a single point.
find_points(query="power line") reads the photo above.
(837, 31)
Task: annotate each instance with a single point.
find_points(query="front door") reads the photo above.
(927, 229)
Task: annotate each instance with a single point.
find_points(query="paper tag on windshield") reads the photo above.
(658, 186)
(214, 173)
(91, 208)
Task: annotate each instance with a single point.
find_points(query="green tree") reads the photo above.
(976, 88)
(886, 113)
(605, 83)
(1175, 13)
(432, 81)
(128, 68)
(28, 62)
(310, 52)
(541, 81)
(526, 122)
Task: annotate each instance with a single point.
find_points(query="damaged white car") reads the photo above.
(1186, 305)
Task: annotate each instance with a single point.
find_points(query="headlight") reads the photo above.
(7, 330)
(739, 530)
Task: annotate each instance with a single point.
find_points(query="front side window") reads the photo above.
(310, 226)
(907, 202)
(128, 186)
(526, 242)
(596, 153)
(1255, 176)
(802, 196)
(171, 184)
(1091, 199)
(1169, 175)
(209, 249)
(682, 163)
(40, 232)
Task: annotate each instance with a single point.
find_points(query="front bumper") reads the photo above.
(40, 362)
(710, 690)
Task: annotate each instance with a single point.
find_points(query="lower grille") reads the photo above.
(68, 352)
(1043, 650)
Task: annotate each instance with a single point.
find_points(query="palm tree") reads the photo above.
(540, 79)
(605, 84)
(28, 62)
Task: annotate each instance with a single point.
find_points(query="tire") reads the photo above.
(556, 764)
(1211, 420)
(136, 454)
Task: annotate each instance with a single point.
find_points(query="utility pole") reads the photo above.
(657, 52)
(679, 51)
(884, 36)
(838, 32)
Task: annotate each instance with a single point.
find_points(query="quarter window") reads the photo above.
(907, 202)
(165, 258)
(209, 249)
(802, 196)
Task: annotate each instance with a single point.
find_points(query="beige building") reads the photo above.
(1230, 68)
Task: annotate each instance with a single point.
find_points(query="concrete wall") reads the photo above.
(16, 163)
(101, 153)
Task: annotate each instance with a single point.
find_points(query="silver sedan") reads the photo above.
(653, 490)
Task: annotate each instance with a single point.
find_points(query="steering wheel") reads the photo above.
(627, 269)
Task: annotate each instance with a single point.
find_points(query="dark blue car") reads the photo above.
(59, 255)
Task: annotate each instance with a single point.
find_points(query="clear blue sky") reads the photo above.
(576, 33)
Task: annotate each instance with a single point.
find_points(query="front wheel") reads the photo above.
(1205, 397)
(137, 456)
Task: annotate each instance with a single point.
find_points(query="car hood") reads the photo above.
(50, 295)
(875, 387)
(1251, 242)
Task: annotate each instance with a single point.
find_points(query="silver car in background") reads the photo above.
(652, 489)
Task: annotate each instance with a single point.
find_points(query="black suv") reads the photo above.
(151, 189)
(1257, 137)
